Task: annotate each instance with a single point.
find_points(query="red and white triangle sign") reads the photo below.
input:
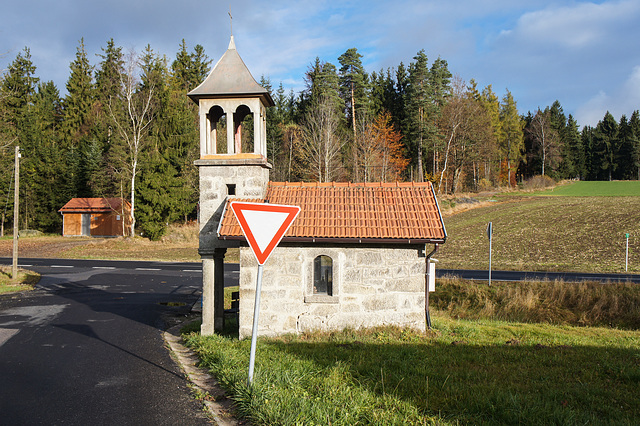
(264, 225)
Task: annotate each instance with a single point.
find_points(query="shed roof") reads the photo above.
(354, 212)
(230, 77)
(92, 205)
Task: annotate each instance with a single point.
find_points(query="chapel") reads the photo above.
(356, 256)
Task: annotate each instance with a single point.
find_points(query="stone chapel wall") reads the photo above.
(371, 287)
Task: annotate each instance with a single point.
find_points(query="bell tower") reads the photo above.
(233, 163)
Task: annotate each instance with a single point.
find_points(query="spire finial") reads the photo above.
(231, 20)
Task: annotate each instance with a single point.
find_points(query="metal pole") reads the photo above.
(254, 333)
(14, 271)
(426, 286)
(626, 257)
(490, 241)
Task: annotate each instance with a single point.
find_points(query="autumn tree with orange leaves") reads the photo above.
(380, 152)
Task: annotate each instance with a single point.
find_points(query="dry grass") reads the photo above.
(24, 281)
(552, 302)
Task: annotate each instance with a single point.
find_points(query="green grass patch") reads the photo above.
(469, 372)
(628, 188)
(546, 234)
(24, 281)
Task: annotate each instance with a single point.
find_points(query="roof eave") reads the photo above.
(267, 100)
(314, 240)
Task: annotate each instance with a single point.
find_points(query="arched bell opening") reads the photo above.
(217, 124)
(243, 129)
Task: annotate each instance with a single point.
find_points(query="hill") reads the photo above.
(552, 233)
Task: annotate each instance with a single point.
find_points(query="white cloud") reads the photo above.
(579, 52)
(578, 26)
(622, 101)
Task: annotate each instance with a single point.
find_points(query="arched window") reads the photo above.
(323, 275)
(217, 142)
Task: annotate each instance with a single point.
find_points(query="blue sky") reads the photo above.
(583, 53)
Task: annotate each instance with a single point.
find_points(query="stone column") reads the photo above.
(208, 312)
(230, 133)
(218, 285)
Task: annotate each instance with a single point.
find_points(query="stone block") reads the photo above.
(380, 303)
(407, 285)
(354, 288)
(323, 309)
(369, 257)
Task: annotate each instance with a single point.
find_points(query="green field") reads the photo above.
(568, 233)
(596, 189)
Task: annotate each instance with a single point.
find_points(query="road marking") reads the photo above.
(24, 266)
(148, 269)
(192, 270)
(103, 267)
(61, 266)
(6, 334)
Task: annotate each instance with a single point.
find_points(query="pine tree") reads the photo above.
(188, 70)
(354, 92)
(606, 146)
(634, 124)
(353, 85)
(18, 87)
(628, 142)
(510, 140)
(322, 83)
(78, 103)
(98, 174)
(572, 165)
(418, 126)
(18, 125)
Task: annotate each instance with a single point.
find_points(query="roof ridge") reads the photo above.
(349, 184)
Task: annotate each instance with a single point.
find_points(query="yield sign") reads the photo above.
(264, 225)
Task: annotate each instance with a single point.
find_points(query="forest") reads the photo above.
(126, 128)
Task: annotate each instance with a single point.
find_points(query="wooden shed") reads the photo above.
(95, 217)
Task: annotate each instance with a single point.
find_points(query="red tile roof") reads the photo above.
(80, 205)
(354, 212)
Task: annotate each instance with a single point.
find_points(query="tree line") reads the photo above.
(126, 128)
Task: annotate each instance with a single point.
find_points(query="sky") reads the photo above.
(585, 54)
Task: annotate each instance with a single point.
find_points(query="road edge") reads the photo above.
(215, 400)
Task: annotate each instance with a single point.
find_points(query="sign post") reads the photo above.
(490, 236)
(263, 225)
(626, 257)
(16, 212)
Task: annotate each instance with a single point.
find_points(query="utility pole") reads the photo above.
(16, 200)
(490, 236)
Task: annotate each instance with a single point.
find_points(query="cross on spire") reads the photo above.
(231, 20)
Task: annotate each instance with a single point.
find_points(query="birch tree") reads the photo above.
(131, 114)
(545, 137)
(321, 141)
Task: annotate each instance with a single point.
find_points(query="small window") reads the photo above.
(323, 275)
(231, 189)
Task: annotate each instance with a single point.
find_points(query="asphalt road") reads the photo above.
(86, 346)
(49, 266)
(483, 275)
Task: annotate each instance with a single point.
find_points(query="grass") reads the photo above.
(24, 282)
(506, 354)
(629, 188)
(553, 302)
(468, 372)
(546, 233)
